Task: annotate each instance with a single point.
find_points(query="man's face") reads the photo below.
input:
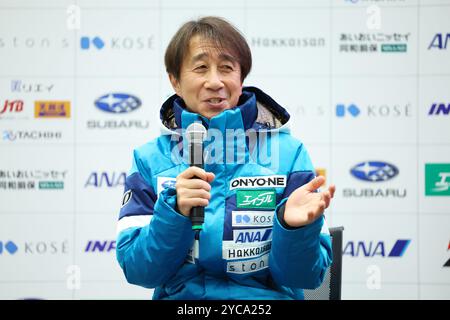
(210, 80)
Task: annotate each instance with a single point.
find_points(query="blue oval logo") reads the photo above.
(374, 171)
(169, 184)
(118, 103)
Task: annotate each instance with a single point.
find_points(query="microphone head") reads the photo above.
(195, 133)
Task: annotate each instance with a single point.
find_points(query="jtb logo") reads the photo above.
(352, 109)
(368, 250)
(96, 41)
(9, 246)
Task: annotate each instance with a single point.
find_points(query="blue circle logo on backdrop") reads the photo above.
(118, 103)
(374, 171)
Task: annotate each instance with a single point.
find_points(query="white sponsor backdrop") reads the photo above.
(360, 78)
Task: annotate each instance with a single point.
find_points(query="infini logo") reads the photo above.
(258, 182)
(100, 246)
(439, 108)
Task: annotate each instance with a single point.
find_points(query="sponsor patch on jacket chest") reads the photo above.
(275, 181)
(256, 199)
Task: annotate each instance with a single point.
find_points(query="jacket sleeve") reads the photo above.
(300, 256)
(152, 238)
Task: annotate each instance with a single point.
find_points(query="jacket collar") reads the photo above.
(174, 113)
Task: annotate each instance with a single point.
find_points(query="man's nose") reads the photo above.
(214, 80)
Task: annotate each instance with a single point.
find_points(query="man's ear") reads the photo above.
(175, 84)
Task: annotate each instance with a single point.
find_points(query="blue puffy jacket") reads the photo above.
(244, 251)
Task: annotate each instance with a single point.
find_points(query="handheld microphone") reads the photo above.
(195, 134)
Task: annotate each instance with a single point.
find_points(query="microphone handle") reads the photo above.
(197, 213)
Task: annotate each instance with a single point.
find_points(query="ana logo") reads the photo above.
(439, 41)
(437, 179)
(253, 235)
(118, 103)
(352, 109)
(100, 246)
(374, 171)
(375, 248)
(256, 198)
(85, 43)
(110, 180)
(9, 247)
(52, 109)
(439, 108)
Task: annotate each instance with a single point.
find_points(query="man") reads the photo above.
(264, 235)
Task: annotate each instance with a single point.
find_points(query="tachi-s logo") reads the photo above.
(374, 171)
(118, 103)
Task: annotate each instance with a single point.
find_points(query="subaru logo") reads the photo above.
(118, 103)
(374, 171)
(169, 184)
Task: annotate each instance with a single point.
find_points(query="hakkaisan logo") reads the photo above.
(232, 251)
(258, 182)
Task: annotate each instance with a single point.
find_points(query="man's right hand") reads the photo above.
(193, 189)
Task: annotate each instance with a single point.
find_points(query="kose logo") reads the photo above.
(117, 43)
(352, 109)
(252, 218)
(439, 41)
(374, 171)
(370, 249)
(439, 108)
(85, 43)
(100, 246)
(37, 247)
(118, 103)
(9, 247)
(105, 179)
(374, 111)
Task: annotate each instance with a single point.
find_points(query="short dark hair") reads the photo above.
(220, 32)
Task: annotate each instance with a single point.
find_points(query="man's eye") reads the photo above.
(200, 68)
(227, 67)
